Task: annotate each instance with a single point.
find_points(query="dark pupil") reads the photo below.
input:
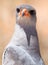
(18, 10)
(32, 12)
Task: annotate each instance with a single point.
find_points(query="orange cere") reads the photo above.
(25, 11)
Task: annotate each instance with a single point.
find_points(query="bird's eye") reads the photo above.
(32, 12)
(18, 10)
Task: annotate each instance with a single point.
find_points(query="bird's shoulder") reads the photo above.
(16, 55)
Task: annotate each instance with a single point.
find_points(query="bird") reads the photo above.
(23, 48)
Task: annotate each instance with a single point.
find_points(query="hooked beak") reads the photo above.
(24, 12)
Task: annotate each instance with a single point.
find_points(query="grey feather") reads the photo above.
(16, 55)
(17, 52)
(28, 24)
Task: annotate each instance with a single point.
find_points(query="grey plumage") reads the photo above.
(18, 52)
(28, 24)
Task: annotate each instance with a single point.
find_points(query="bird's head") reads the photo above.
(25, 12)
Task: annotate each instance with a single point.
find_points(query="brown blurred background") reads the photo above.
(8, 20)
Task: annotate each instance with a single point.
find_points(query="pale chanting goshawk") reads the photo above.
(23, 48)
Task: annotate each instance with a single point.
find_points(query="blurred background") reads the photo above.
(8, 21)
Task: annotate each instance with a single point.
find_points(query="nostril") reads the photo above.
(18, 10)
